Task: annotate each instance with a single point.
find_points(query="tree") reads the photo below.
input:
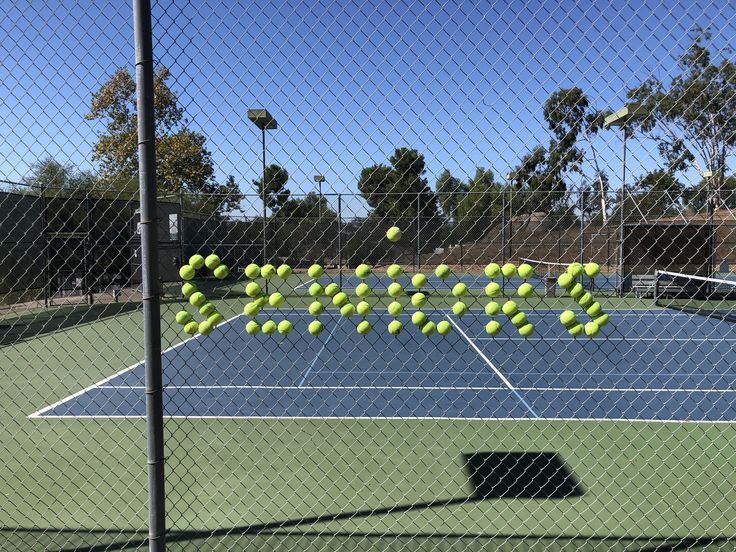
(311, 206)
(483, 197)
(276, 192)
(539, 178)
(48, 173)
(657, 193)
(449, 191)
(697, 197)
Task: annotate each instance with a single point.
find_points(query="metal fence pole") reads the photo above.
(417, 262)
(45, 245)
(339, 237)
(151, 290)
(622, 285)
(503, 226)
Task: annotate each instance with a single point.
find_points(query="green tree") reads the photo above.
(311, 206)
(538, 181)
(450, 190)
(697, 197)
(276, 192)
(48, 173)
(657, 193)
(483, 198)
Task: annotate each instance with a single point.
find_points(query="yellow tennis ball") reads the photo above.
(519, 319)
(575, 270)
(601, 320)
(591, 269)
(459, 308)
(585, 300)
(182, 317)
(363, 308)
(594, 309)
(251, 309)
(428, 328)
(394, 308)
(206, 309)
(191, 327)
(395, 289)
(362, 290)
(493, 328)
(492, 308)
(442, 272)
(460, 290)
(315, 271)
(187, 289)
(316, 308)
(394, 271)
(492, 270)
(510, 308)
(444, 327)
(252, 271)
(419, 318)
(216, 318)
(340, 299)
(269, 327)
(591, 329)
(316, 290)
(565, 280)
(212, 261)
(568, 318)
(196, 261)
(362, 271)
(261, 301)
(268, 271)
(347, 310)
(285, 327)
(508, 270)
(526, 330)
(419, 281)
(576, 291)
(276, 299)
(206, 327)
(284, 271)
(197, 299)
(252, 289)
(393, 234)
(525, 271)
(252, 327)
(221, 272)
(395, 327)
(418, 299)
(187, 272)
(364, 327)
(576, 330)
(332, 289)
(493, 289)
(526, 290)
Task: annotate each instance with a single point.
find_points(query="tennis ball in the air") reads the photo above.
(419, 318)
(363, 308)
(216, 318)
(525, 271)
(182, 317)
(187, 289)
(197, 299)
(191, 327)
(261, 301)
(493, 328)
(395, 327)
(526, 290)
(252, 271)
(251, 309)
(347, 310)
(186, 272)
(252, 327)
(284, 271)
(442, 272)
(395, 289)
(444, 327)
(362, 271)
(418, 299)
(510, 308)
(459, 308)
(269, 327)
(394, 271)
(212, 261)
(285, 327)
(576, 291)
(519, 319)
(575, 270)
(565, 280)
(221, 272)
(492, 308)
(576, 330)
(196, 261)
(419, 280)
(206, 309)
(568, 318)
(316, 308)
(393, 234)
(460, 290)
(363, 327)
(340, 299)
(594, 309)
(362, 290)
(508, 270)
(316, 290)
(394, 308)
(591, 329)
(592, 269)
(585, 300)
(526, 330)
(492, 270)
(332, 289)
(315, 271)
(493, 289)
(252, 289)
(268, 271)
(206, 327)
(601, 320)
(428, 328)
(276, 299)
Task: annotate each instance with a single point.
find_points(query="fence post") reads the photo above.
(180, 228)
(503, 227)
(45, 246)
(582, 226)
(339, 238)
(151, 290)
(417, 262)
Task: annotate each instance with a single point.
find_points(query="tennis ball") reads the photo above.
(187, 289)
(444, 327)
(196, 261)
(576, 291)
(216, 318)
(510, 308)
(459, 308)
(187, 272)
(315, 271)
(332, 289)
(284, 271)
(206, 309)
(347, 310)
(340, 299)
(315, 290)
(212, 261)
(568, 318)
(525, 271)
(221, 272)
(316, 308)
(395, 289)
(565, 281)
(442, 272)
(575, 270)
(252, 327)
(251, 309)
(585, 300)
(519, 319)
(428, 328)
(419, 318)
(508, 270)
(601, 320)
(493, 328)
(197, 299)
(261, 301)
(268, 271)
(393, 234)
(591, 269)
(594, 309)
(252, 271)
(394, 308)
(395, 327)
(493, 290)
(252, 289)
(492, 308)
(576, 330)
(419, 280)
(362, 290)
(191, 327)
(363, 271)
(591, 329)
(285, 327)
(526, 290)
(269, 327)
(363, 308)
(526, 330)
(492, 270)
(460, 290)
(394, 271)
(418, 299)
(182, 317)
(276, 299)
(363, 327)
(206, 327)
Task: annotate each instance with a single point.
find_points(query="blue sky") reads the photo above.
(462, 82)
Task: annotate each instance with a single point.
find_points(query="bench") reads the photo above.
(643, 285)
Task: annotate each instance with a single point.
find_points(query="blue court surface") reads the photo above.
(645, 365)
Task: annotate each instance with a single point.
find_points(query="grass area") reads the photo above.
(327, 484)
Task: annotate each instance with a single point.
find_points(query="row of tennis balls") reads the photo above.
(364, 327)
(198, 299)
(188, 271)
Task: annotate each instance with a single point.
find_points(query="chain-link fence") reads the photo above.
(404, 276)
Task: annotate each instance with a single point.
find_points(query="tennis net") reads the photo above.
(712, 297)
(550, 269)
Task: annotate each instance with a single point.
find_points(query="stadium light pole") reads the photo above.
(319, 179)
(264, 121)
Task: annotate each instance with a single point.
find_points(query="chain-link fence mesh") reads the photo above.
(344, 366)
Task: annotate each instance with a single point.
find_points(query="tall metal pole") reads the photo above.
(263, 200)
(151, 292)
(417, 260)
(339, 237)
(622, 277)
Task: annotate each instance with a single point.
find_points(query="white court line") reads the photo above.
(305, 283)
(609, 338)
(39, 413)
